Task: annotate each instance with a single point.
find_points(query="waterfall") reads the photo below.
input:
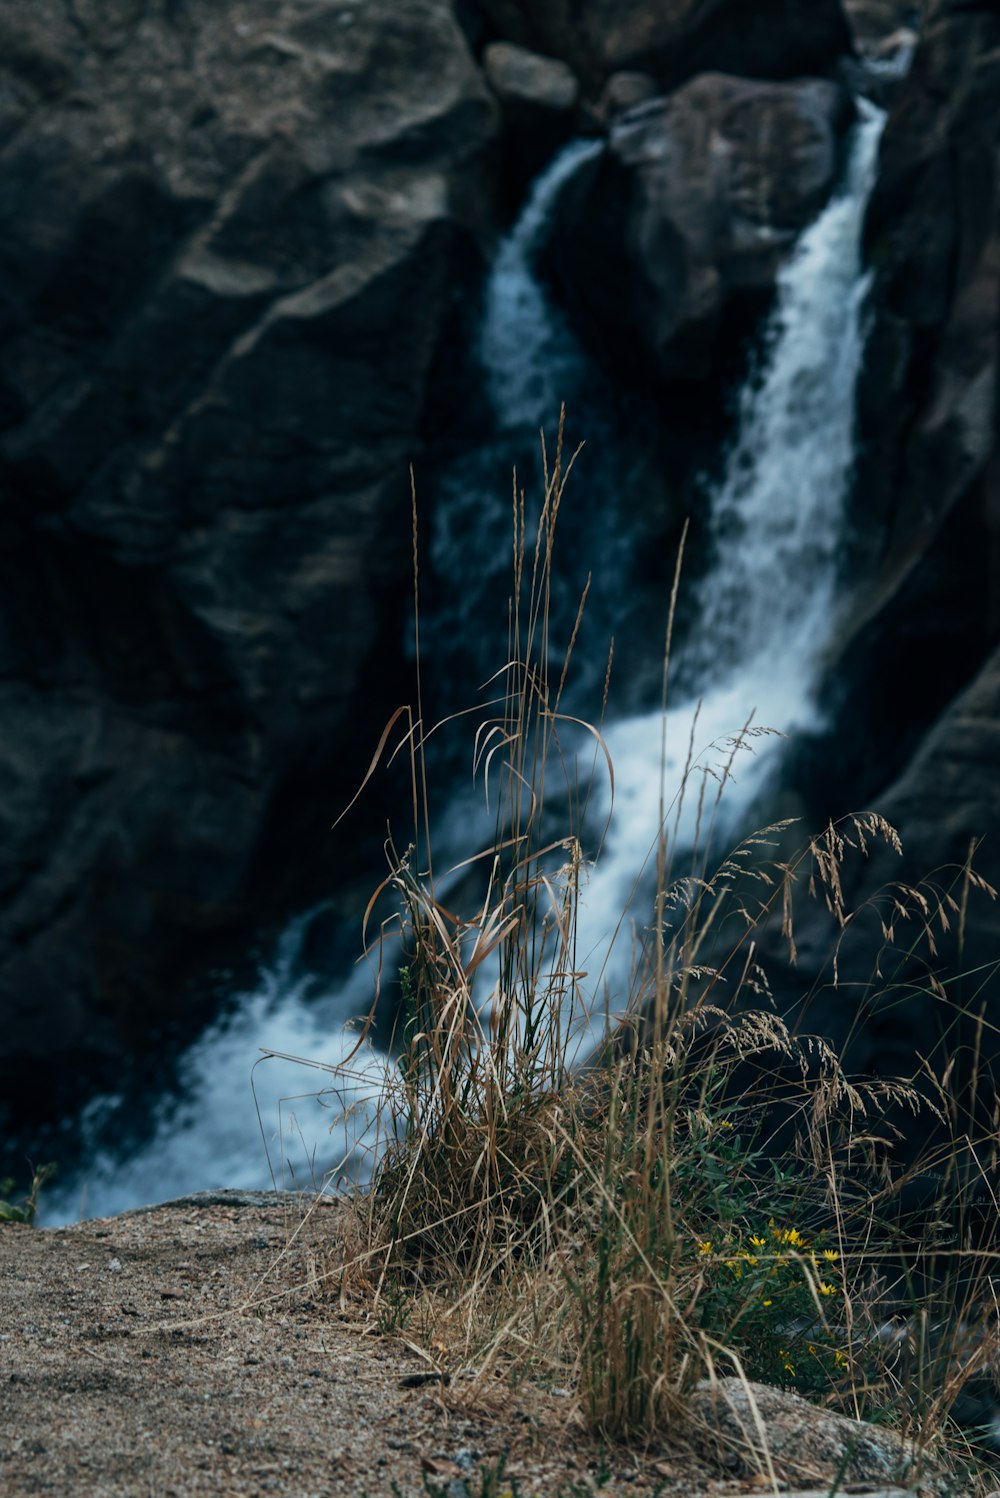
(527, 349)
(529, 362)
(206, 1131)
(767, 604)
(778, 513)
(765, 610)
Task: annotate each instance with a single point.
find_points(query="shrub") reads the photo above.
(593, 1196)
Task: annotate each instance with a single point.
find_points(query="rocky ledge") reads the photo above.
(203, 1347)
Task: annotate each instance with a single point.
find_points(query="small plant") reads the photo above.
(588, 1186)
(778, 1300)
(26, 1209)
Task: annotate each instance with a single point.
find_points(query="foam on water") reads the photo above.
(767, 604)
(528, 351)
(207, 1132)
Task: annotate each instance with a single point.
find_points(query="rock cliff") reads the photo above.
(675, 39)
(233, 233)
(915, 683)
(228, 236)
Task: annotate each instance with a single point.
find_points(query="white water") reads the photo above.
(530, 364)
(210, 1133)
(765, 613)
(767, 605)
(528, 351)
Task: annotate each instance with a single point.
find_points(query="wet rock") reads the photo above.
(538, 98)
(228, 239)
(927, 406)
(873, 21)
(623, 91)
(926, 562)
(675, 39)
(527, 85)
(914, 972)
(697, 198)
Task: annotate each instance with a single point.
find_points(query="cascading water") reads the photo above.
(529, 354)
(764, 611)
(207, 1131)
(530, 363)
(767, 605)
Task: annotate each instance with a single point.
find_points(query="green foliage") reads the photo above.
(26, 1210)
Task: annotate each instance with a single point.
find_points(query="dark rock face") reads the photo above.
(675, 39)
(623, 91)
(538, 98)
(228, 231)
(928, 491)
(872, 21)
(926, 615)
(882, 1016)
(934, 240)
(697, 198)
(527, 85)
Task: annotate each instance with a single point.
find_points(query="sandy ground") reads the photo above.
(181, 1350)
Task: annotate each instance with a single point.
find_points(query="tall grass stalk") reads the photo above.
(706, 1193)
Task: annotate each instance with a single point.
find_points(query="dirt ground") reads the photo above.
(180, 1351)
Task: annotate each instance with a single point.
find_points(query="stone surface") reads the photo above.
(872, 21)
(944, 803)
(926, 610)
(697, 197)
(228, 237)
(928, 406)
(624, 91)
(199, 1347)
(676, 38)
(766, 1433)
(538, 98)
(528, 85)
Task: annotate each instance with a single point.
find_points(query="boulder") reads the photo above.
(228, 237)
(917, 672)
(528, 86)
(873, 21)
(768, 1437)
(623, 91)
(675, 39)
(538, 98)
(696, 198)
(927, 406)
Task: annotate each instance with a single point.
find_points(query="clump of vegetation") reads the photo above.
(623, 1197)
(26, 1209)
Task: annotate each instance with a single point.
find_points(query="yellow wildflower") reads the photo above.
(830, 1255)
(757, 1241)
(706, 1247)
(825, 1289)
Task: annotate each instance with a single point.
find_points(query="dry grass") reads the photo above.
(710, 1194)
